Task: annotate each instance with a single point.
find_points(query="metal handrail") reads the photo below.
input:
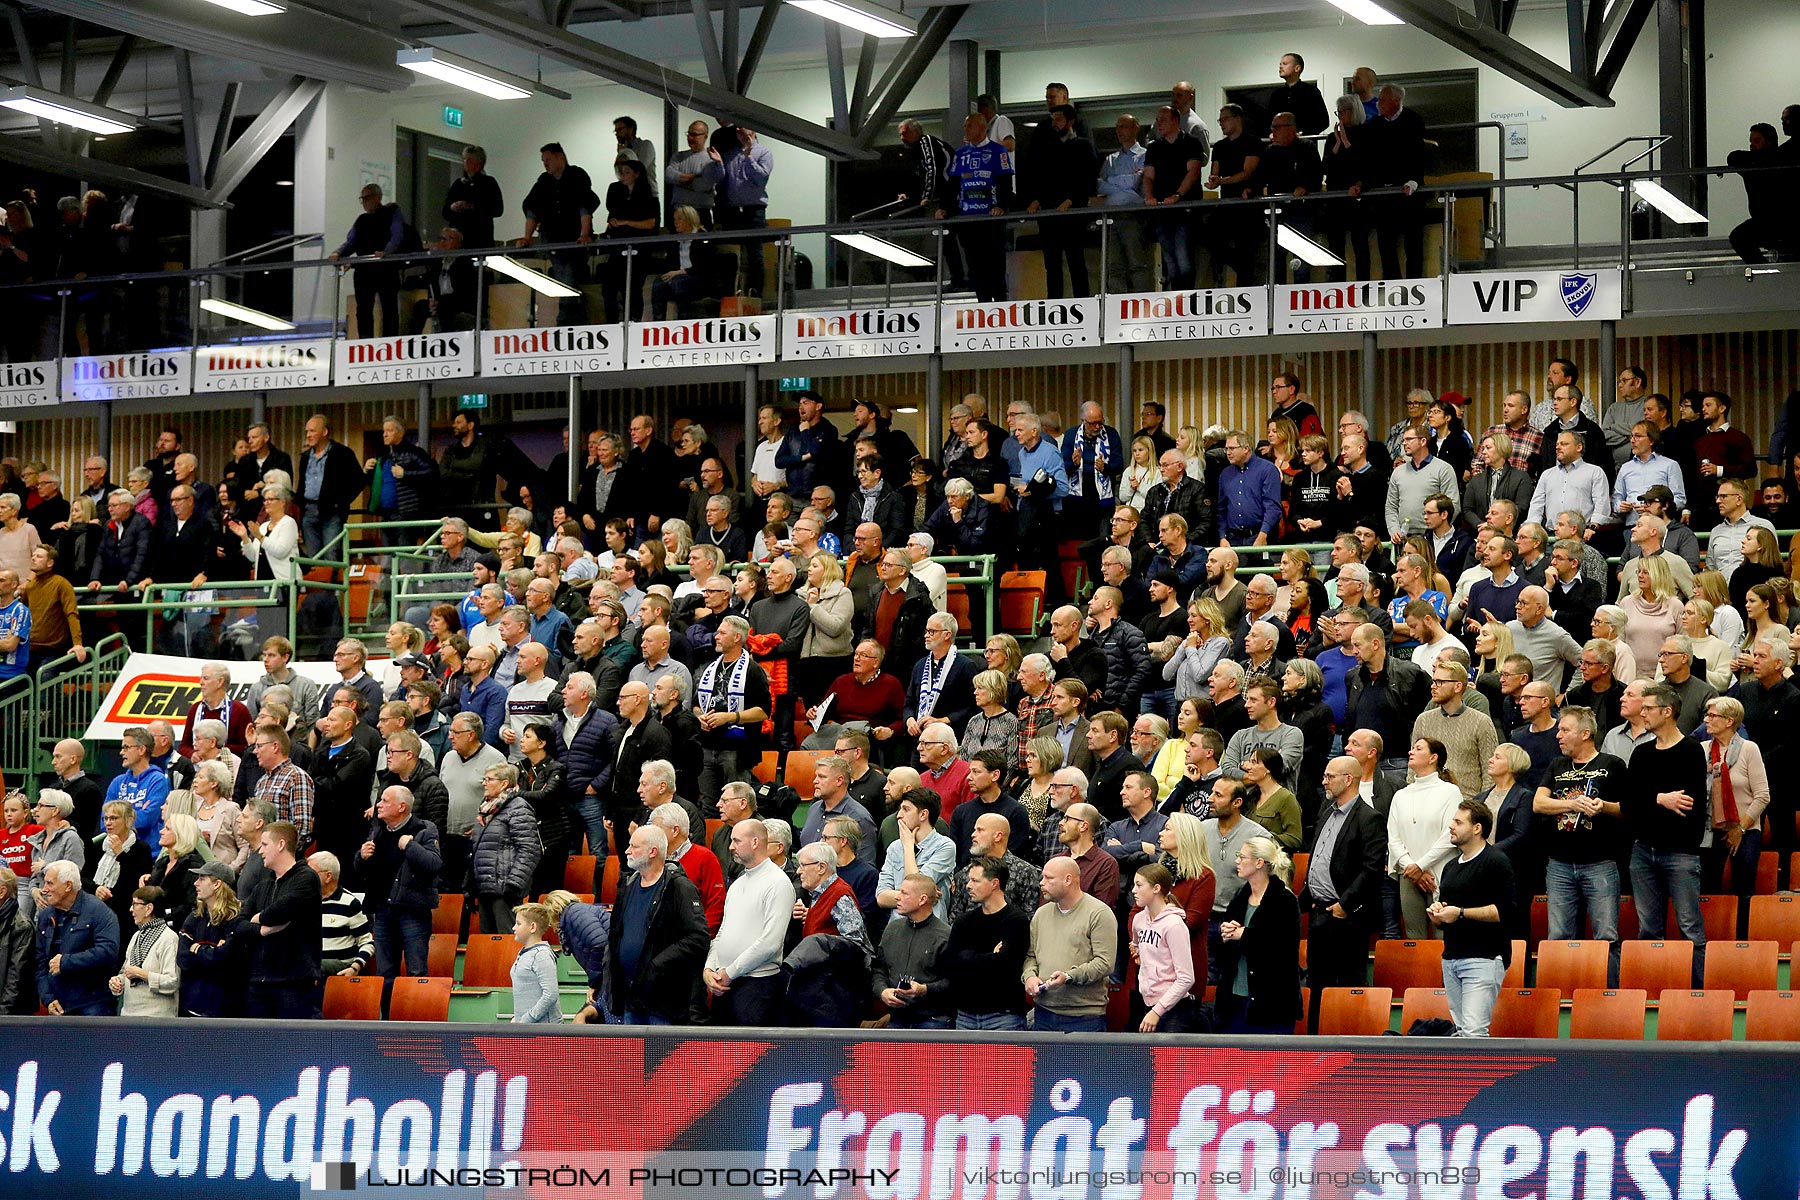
(1656, 142)
(291, 241)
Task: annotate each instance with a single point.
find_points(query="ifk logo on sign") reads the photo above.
(1578, 290)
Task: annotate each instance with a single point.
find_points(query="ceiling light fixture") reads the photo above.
(1305, 249)
(251, 8)
(1668, 203)
(537, 281)
(65, 110)
(471, 76)
(880, 248)
(863, 16)
(248, 316)
(1366, 11)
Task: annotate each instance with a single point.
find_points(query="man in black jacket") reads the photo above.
(262, 458)
(1384, 693)
(399, 865)
(406, 768)
(1075, 657)
(474, 202)
(585, 737)
(1343, 881)
(904, 603)
(561, 206)
(642, 738)
(379, 231)
(1177, 493)
(182, 551)
(650, 976)
(648, 480)
(342, 774)
(1063, 168)
(285, 948)
(328, 479)
(1297, 97)
(1393, 156)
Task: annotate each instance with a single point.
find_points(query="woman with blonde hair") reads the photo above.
(1728, 620)
(1653, 613)
(1609, 625)
(992, 727)
(1493, 646)
(677, 539)
(825, 654)
(214, 809)
(1193, 448)
(214, 951)
(1259, 943)
(1294, 565)
(1186, 858)
(1709, 651)
(1141, 475)
(1043, 759)
(1739, 783)
(1206, 643)
(175, 869)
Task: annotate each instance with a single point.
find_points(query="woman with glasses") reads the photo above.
(149, 981)
(1739, 782)
(1043, 759)
(1609, 625)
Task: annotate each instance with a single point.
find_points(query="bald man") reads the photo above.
(1548, 645)
(343, 775)
(1074, 944)
(1094, 458)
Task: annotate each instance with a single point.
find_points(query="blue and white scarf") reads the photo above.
(929, 687)
(734, 687)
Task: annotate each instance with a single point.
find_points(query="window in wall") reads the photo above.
(425, 166)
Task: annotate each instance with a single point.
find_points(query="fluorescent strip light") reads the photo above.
(872, 19)
(1304, 248)
(251, 8)
(537, 281)
(1367, 12)
(470, 76)
(1668, 203)
(868, 243)
(66, 111)
(248, 316)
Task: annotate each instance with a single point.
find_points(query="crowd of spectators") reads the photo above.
(1509, 666)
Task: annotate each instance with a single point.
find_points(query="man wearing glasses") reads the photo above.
(1692, 693)
(1249, 494)
(378, 232)
(1468, 736)
(1417, 477)
(1599, 689)
(1579, 795)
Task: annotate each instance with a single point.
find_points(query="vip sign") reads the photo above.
(1187, 316)
(710, 342)
(974, 326)
(857, 333)
(27, 385)
(1516, 297)
(128, 376)
(263, 366)
(405, 359)
(1360, 307)
(561, 349)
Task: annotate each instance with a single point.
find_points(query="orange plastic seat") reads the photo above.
(1355, 1012)
(447, 916)
(1402, 963)
(417, 998)
(1423, 1004)
(1566, 966)
(1654, 967)
(1608, 1014)
(578, 873)
(1689, 1016)
(488, 960)
(1742, 967)
(352, 998)
(440, 956)
(1526, 1013)
(1775, 919)
(1772, 1016)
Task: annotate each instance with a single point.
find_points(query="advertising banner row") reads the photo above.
(163, 687)
(873, 332)
(96, 1108)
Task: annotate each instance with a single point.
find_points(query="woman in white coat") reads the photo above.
(149, 981)
(1419, 833)
(271, 547)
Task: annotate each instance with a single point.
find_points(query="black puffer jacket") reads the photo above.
(542, 787)
(506, 849)
(675, 945)
(18, 965)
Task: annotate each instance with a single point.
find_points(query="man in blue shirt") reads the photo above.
(1249, 494)
(140, 784)
(1643, 470)
(1128, 267)
(1040, 486)
(15, 628)
(983, 173)
(746, 198)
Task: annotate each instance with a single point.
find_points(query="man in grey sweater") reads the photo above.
(1417, 477)
(1074, 943)
(1547, 644)
(1266, 729)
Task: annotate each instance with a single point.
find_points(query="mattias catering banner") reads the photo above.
(153, 687)
(99, 1108)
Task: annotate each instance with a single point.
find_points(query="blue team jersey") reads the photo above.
(978, 171)
(15, 621)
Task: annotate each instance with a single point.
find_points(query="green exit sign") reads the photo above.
(799, 383)
(478, 400)
(453, 117)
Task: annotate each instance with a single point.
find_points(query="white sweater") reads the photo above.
(159, 997)
(1419, 825)
(758, 906)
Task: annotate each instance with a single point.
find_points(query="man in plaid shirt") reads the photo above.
(284, 786)
(1515, 423)
(1035, 715)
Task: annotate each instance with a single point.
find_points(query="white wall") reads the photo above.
(1746, 37)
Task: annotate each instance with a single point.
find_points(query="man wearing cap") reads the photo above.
(1649, 539)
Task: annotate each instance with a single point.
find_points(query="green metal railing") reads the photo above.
(38, 711)
(175, 602)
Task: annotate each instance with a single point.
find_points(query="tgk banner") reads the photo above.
(858, 333)
(1516, 297)
(92, 1108)
(1187, 316)
(153, 687)
(973, 326)
(553, 350)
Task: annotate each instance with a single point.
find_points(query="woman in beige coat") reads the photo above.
(1740, 796)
